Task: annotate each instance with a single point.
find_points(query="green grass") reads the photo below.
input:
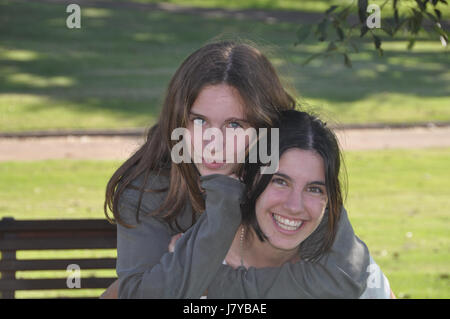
(112, 73)
(397, 202)
(303, 5)
(54, 189)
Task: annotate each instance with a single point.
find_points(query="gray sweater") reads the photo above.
(147, 270)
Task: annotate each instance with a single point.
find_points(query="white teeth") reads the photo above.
(286, 223)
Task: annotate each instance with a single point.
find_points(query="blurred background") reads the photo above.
(111, 74)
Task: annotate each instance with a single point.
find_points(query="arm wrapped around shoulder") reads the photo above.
(146, 268)
(341, 273)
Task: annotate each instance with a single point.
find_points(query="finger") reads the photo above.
(173, 242)
(234, 176)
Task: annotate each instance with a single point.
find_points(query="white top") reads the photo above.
(377, 284)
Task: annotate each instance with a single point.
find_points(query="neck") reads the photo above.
(262, 254)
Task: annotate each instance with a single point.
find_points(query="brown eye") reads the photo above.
(315, 189)
(279, 181)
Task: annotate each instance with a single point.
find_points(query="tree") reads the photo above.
(338, 30)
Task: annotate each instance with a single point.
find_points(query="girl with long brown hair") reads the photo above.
(223, 85)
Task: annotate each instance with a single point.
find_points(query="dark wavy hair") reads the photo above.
(307, 132)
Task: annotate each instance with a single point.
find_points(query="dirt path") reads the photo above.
(120, 148)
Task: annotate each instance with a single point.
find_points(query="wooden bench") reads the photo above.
(17, 235)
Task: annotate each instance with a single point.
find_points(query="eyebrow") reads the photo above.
(228, 119)
(310, 183)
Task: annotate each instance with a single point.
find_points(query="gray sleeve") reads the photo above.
(341, 273)
(145, 267)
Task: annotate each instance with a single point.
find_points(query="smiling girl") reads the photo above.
(295, 215)
(222, 85)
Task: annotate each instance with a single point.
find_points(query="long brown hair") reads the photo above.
(234, 63)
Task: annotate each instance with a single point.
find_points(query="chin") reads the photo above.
(207, 171)
(286, 246)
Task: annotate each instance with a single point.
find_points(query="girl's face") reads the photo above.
(218, 107)
(293, 203)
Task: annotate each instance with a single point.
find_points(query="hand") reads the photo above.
(173, 242)
(112, 292)
(233, 175)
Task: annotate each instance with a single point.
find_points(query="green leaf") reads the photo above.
(421, 5)
(331, 9)
(312, 57)
(432, 17)
(437, 27)
(322, 30)
(364, 30)
(438, 14)
(303, 33)
(344, 14)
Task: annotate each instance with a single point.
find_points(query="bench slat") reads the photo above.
(56, 264)
(44, 284)
(60, 235)
(54, 243)
(11, 225)
(49, 235)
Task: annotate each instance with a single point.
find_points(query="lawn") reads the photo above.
(316, 6)
(112, 73)
(397, 202)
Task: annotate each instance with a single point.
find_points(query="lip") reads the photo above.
(212, 165)
(285, 231)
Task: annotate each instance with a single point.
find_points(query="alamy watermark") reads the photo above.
(73, 21)
(74, 276)
(192, 149)
(373, 20)
(375, 276)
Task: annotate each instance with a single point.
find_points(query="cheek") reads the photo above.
(267, 202)
(316, 208)
(235, 147)
(198, 144)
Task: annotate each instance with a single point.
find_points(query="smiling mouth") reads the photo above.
(286, 224)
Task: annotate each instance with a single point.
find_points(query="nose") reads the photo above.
(214, 141)
(294, 204)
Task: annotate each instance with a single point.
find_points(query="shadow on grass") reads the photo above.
(121, 61)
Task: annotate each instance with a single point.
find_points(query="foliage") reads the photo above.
(337, 26)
